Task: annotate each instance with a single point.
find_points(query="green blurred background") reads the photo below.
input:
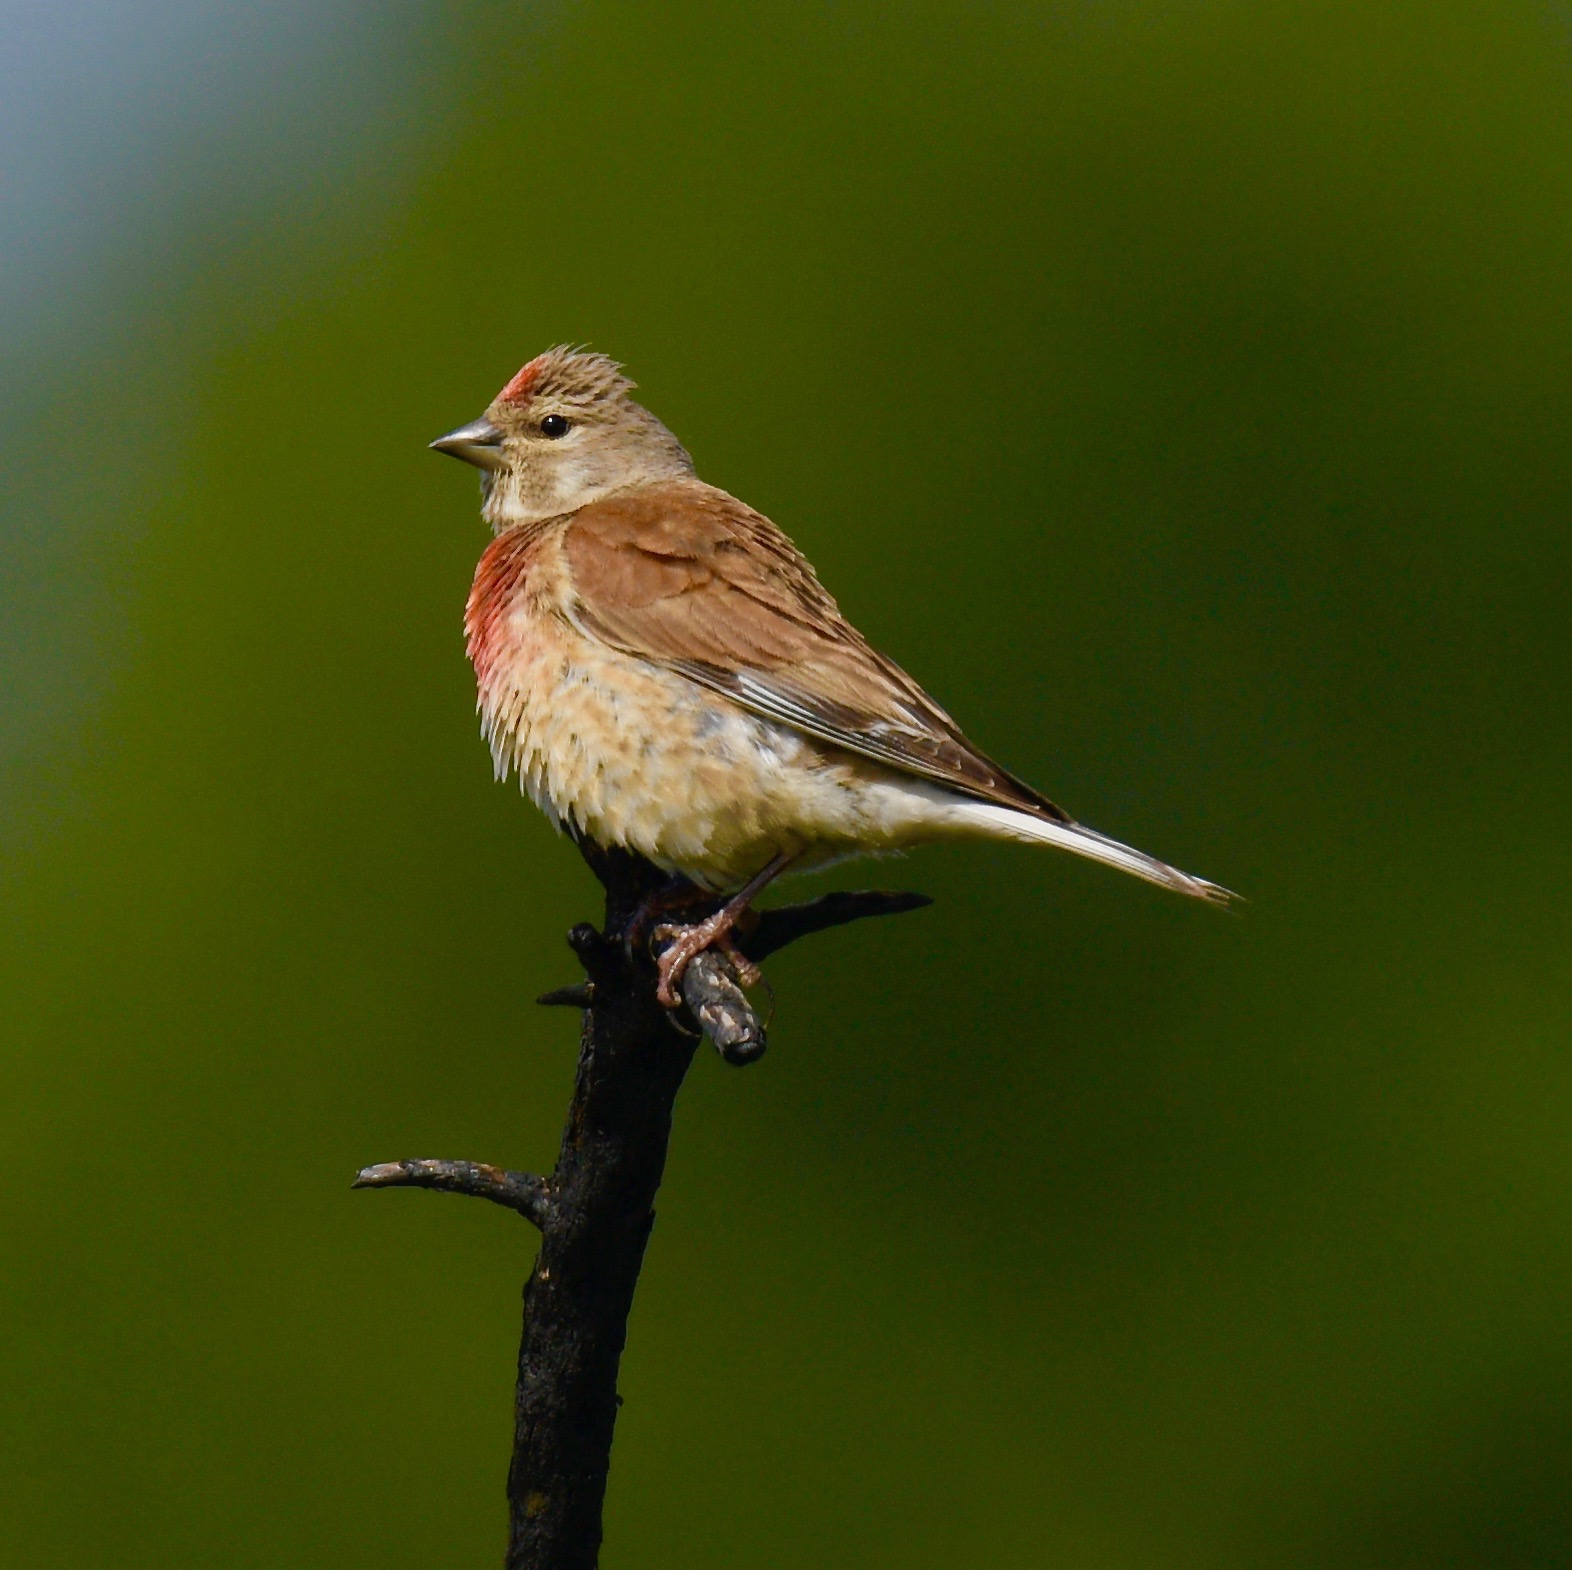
(1181, 391)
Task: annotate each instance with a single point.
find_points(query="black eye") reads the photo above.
(554, 425)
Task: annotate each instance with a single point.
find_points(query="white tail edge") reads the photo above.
(1007, 823)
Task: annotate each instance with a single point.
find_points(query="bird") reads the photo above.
(664, 672)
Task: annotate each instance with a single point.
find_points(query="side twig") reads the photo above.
(520, 1191)
(596, 1209)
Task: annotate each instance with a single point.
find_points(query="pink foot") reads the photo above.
(689, 941)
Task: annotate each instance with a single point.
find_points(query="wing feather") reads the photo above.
(688, 577)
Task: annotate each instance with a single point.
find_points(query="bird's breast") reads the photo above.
(634, 754)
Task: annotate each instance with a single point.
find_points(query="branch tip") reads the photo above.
(521, 1191)
(715, 999)
(585, 941)
(581, 995)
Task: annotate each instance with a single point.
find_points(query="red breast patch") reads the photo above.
(499, 579)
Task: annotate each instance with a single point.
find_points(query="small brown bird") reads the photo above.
(665, 672)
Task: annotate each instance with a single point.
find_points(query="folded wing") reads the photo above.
(688, 577)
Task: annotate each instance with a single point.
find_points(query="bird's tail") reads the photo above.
(1007, 823)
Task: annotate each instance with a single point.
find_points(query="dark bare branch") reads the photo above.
(596, 1209)
(520, 1191)
(579, 996)
(786, 923)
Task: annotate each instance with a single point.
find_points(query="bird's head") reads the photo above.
(563, 433)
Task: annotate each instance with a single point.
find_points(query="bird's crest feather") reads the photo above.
(570, 374)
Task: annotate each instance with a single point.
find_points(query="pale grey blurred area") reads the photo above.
(117, 114)
(151, 154)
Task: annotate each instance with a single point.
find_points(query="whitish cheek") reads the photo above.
(574, 477)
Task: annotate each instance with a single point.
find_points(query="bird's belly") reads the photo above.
(637, 756)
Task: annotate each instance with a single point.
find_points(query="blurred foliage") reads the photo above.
(1180, 391)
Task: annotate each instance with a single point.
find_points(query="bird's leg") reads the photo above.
(716, 929)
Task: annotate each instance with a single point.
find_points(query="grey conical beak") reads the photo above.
(479, 443)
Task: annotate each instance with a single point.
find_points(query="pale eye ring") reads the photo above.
(554, 426)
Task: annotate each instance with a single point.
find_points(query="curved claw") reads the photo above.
(684, 944)
(688, 941)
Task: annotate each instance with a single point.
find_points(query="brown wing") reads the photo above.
(688, 577)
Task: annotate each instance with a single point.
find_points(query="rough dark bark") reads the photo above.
(596, 1209)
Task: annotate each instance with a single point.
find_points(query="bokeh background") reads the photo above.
(1180, 389)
